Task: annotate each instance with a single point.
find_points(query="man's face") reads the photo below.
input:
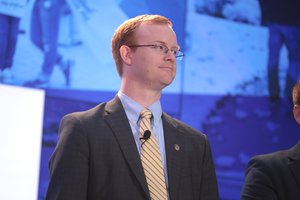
(296, 111)
(150, 67)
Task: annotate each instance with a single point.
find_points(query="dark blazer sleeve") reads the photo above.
(69, 163)
(209, 181)
(96, 157)
(258, 184)
(273, 176)
(191, 168)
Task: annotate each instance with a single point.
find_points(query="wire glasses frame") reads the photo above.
(162, 49)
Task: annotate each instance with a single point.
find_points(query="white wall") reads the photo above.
(21, 120)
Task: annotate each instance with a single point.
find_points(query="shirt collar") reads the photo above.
(133, 109)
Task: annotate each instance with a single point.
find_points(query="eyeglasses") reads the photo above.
(162, 49)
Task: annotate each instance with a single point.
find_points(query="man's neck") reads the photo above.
(142, 96)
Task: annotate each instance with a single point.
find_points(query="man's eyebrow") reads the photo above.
(173, 47)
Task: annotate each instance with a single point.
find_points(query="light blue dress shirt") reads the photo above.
(133, 110)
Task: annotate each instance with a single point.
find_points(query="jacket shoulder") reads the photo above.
(183, 127)
(275, 161)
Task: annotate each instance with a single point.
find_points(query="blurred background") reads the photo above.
(61, 50)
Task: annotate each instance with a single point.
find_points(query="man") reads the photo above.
(282, 18)
(275, 175)
(101, 152)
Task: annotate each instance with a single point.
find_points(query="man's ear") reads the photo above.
(125, 53)
(296, 111)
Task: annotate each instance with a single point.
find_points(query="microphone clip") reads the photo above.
(146, 136)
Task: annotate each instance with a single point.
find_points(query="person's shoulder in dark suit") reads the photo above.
(94, 115)
(183, 127)
(273, 176)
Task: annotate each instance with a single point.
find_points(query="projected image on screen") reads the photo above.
(239, 72)
(66, 44)
(225, 40)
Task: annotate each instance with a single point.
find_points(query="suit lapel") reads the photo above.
(117, 120)
(294, 156)
(174, 152)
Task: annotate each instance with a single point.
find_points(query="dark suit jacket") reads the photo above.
(273, 176)
(96, 158)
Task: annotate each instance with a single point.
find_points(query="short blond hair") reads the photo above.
(124, 34)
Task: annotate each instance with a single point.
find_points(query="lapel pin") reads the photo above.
(176, 147)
